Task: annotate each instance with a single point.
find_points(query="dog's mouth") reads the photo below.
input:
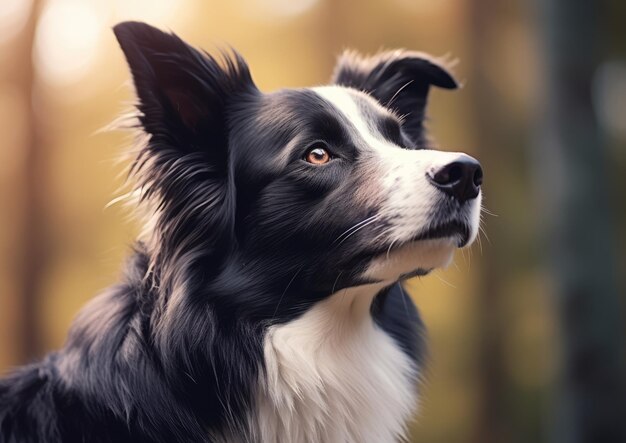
(453, 228)
(429, 249)
(418, 272)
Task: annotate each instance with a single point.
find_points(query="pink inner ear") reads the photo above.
(188, 109)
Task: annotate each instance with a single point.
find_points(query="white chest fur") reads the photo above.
(334, 376)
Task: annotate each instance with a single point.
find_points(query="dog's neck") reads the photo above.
(333, 375)
(351, 305)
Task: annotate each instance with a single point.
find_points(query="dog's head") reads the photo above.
(336, 184)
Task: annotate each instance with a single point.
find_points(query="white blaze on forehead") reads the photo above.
(344, 100)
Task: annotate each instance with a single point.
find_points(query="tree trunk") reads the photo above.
(31, 252)
(570, 164)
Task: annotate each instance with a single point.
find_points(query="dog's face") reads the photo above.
(335, 184)
(330, 171)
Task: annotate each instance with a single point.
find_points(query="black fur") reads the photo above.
(245, 238)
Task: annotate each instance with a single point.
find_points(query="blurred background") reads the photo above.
(527, 339)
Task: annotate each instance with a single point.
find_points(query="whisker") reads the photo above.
(357, 230)
(398, 92)
(379, 236)
(488, 212)
(335, 283)
(456, 265)
(356, 226)
(443, 280)
(389, 248)
(285, 291)
(485, 234)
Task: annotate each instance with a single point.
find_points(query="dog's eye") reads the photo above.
(317, 155)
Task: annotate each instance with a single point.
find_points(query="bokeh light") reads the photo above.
(13, 16)
(66, 40)
(275, 9)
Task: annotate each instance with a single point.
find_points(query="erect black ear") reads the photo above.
(183, 101)
(181, 91)
(399, 80)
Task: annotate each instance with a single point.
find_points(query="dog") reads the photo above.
(263, 301)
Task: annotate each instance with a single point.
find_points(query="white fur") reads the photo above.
(425, 254)
(334, 376)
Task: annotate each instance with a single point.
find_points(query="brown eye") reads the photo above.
(317, 156)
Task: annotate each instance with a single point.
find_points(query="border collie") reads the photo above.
(263, 300)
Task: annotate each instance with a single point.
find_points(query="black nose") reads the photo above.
(461, 179)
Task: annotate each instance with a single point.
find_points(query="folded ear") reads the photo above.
(399, 80)
(181, 91)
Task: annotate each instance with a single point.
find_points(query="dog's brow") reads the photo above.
(346, 104)
(287, 151)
